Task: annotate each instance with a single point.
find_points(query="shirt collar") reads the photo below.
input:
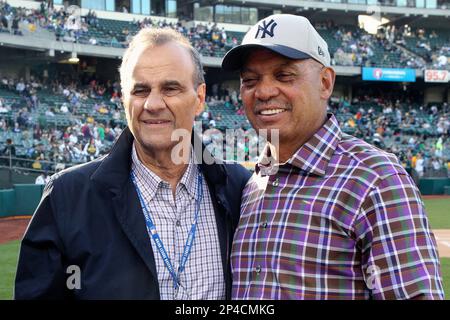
(190, 178)
(188, 181)
(313, 156)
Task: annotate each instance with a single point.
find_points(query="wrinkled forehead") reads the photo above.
(258, 56)
(158, 57)
(261, 58)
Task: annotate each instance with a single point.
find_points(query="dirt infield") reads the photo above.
(13, 228)
(437, 196)
(443, 240)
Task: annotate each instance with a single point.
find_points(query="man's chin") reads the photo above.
(269, 132)
(158, 145)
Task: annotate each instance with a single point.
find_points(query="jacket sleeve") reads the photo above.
(40, 272)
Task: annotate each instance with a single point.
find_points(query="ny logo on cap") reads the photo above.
(265, 29)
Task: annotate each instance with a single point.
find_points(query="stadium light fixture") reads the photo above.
(74, 58)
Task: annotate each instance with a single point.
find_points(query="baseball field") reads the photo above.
(11, 230)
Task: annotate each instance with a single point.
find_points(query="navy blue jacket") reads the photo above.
(90, 216)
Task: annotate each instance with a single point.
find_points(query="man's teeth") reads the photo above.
(271, 111)
(156, 122)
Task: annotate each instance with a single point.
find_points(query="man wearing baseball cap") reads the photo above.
(328, 216)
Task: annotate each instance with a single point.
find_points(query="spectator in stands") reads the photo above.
(43, 178)
(439, 147)
(3, 124)
(15, 26)
(164, 89)
(3, 108)
(109, 134)
(21, 120)
(50, 112)
(91, 150)
(20, 87)
(9, 150)
(419, 165)
(3, 21)
(286, 84)
(64, 108)
(92, 19)
(86, 131)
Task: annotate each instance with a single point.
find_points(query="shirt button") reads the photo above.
(276, 182)
(264, 224)
(258, 269)
(178, 223)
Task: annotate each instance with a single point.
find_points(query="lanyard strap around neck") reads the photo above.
(151, 228)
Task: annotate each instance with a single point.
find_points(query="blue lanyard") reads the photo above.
(159, 245)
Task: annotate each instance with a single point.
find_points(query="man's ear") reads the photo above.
(201, 96)
(328, 76)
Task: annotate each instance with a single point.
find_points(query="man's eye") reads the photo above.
(171, 90)
(285, 77)
(139, 92)
(248, 81)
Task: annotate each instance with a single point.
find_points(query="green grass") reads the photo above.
(438, 212)
(8, 262)
(445, 268)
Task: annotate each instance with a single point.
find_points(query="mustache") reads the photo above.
(270, 104)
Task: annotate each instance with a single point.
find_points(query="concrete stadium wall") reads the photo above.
(21, 200)
(431, 186)
(10, 177)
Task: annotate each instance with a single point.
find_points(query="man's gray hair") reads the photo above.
(151, 37)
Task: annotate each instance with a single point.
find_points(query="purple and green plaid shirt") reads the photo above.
(340, 220)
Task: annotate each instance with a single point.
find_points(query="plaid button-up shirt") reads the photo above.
(203, 277)
(340, 220)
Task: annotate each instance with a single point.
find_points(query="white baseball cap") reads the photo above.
(289, 35)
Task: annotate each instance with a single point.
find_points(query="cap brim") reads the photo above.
(234, 58)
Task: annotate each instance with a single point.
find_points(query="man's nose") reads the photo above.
(266, 90)
(154, 102)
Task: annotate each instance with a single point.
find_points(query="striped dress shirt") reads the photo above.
(340, 220)
(203, 276)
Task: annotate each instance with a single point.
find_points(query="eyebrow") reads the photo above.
(144, 85)
(171, 83)
(140, 85)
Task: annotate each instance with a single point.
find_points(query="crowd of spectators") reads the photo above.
(355, 47)
(44, 143)
(434, 54)
(417, 134)
(207, 38)
(410, 131)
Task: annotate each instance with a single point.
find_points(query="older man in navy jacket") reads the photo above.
(139, 223)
